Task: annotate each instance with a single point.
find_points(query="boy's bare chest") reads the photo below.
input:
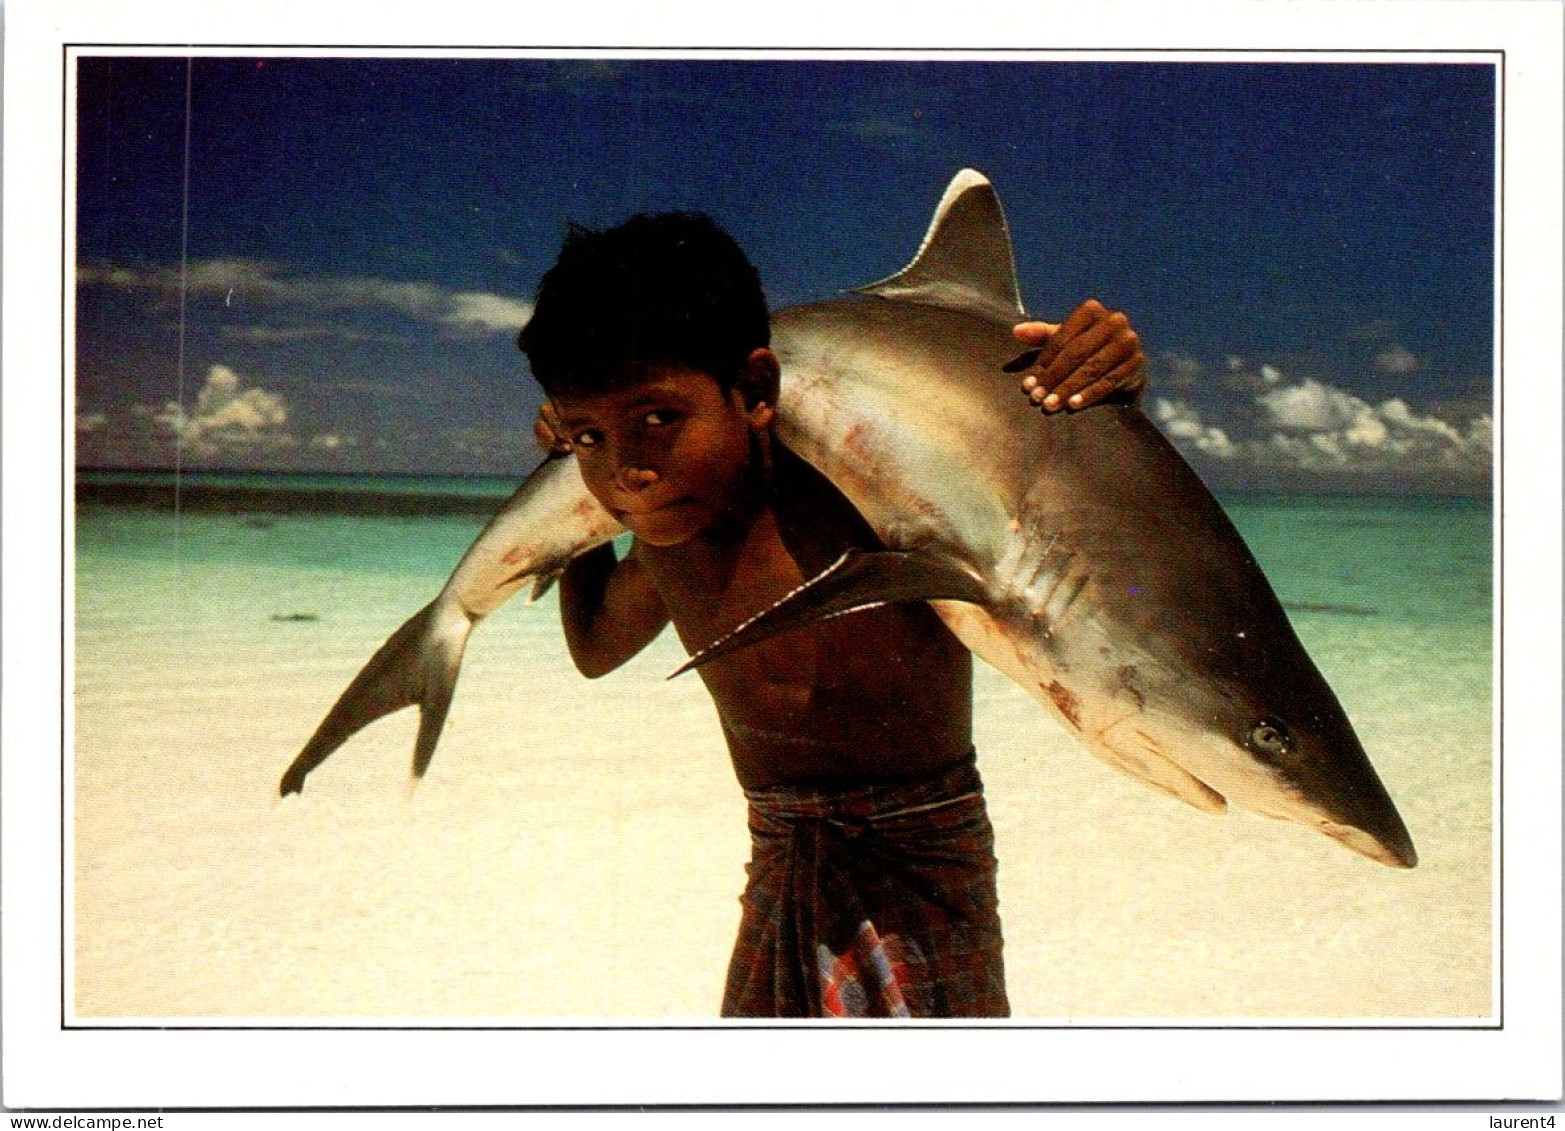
(709, 590)
(882, 691)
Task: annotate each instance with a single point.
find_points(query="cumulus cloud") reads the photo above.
(1310, 407)
(1310, 426)
(1183, 425)
(226, 419)
(248, 285)
(1345, 429)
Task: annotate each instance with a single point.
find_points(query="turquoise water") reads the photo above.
(1374, 561)
(481, 486)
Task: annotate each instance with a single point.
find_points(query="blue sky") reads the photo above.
(1306, 248)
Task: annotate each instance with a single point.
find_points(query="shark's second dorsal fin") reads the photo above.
(965, 261)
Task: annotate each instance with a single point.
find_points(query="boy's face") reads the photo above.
(668, 455)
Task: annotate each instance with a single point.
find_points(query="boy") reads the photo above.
(871, 887)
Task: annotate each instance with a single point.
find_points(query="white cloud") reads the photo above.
(226, 419)
(243, 285)
(1398, 414)
(488, 312)
(1182, 423)
(89, 422)
(1309, 425)
(1320, 426)
(1310, 407)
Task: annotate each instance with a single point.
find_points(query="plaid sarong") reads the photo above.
(877, 901)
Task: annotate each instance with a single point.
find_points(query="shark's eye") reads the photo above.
(1269, 738)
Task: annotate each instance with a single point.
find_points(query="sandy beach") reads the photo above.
(576, 852)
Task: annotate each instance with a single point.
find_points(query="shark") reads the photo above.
(1076, 553)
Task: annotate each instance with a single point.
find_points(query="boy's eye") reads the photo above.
(586, 439)
(661, 417)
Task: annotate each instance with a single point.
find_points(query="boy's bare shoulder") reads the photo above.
(813, 516)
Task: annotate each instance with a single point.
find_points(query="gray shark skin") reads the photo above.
(1077, 553)
(549, 520)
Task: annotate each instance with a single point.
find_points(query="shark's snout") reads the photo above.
(1393, 850)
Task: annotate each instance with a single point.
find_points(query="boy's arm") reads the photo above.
(1092, 356)
(609, 609)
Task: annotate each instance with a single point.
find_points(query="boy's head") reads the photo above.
(668, 288)
(651, 341)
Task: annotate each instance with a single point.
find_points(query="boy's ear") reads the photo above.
(757, 384)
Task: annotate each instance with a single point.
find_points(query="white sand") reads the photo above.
(577, 849)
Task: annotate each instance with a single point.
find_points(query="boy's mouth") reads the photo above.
(643, 511)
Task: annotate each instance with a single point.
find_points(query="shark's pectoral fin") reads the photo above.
(418, 664)
(543, 583)
(859, 579)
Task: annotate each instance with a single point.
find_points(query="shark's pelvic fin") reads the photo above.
(857, 580)
(965, 261)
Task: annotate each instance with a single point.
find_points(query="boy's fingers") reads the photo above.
(548, 432)
(1082, 332)
(1034, 333)
(1078, 320)
(1106, 358)
(1112, 381)
(1078, 350)
(1093, 353)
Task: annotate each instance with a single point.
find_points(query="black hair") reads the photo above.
(671, 288)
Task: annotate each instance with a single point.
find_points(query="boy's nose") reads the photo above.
(637, 478)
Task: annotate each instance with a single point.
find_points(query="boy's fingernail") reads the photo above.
(1051, 401)
(1076, 401)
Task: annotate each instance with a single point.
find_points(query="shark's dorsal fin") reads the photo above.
(965, 261)
(859, 579)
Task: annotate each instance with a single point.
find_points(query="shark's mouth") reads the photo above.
(1131, 750)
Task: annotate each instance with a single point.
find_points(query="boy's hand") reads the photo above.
(549, 433)
(1091, 355)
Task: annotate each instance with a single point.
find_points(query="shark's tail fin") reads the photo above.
(418, 664)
